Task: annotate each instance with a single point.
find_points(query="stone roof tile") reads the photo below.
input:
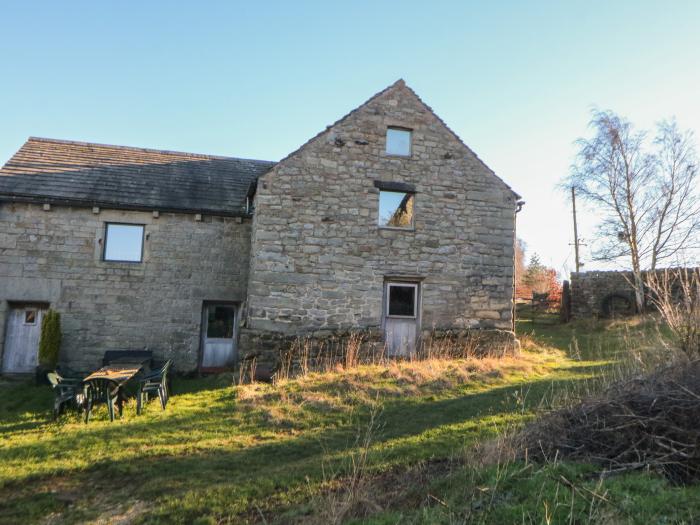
(81, 173)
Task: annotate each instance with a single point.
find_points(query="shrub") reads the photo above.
(50, 342)
(676, 295)
(648, 422)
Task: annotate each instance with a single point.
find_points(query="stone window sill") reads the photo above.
(396, 229)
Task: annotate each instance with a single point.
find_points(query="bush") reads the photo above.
(645, 423)
(676, 294)
(50, 342)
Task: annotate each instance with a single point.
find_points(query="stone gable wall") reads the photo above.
(319, 259)
(55, 256)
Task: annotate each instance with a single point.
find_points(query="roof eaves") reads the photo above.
(88, 203)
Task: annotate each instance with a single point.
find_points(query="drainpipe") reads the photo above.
(518, 208)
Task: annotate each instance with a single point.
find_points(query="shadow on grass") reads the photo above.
(228, 480)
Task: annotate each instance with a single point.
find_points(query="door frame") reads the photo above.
(203, 331)
(411, 280)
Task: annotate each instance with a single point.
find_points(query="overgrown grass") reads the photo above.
(287, 453)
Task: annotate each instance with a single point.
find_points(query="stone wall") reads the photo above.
(319, 259)
(272, 352)
(56, 257)
(590, 289)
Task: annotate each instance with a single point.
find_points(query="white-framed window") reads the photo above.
(402, 300)
(398, 142)
(123, 242)
(396, 209)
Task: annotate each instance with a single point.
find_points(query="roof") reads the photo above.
(81, 173)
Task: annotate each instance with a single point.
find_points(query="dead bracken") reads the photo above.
(647, 422)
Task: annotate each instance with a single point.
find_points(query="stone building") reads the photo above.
(384, 222)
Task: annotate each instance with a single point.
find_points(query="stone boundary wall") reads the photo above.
(591, 290)
(326, 348)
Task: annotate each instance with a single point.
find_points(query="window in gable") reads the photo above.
(398, 142)
(396, 209)
(123, 242)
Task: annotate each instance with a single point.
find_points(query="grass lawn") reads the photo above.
(375, 444)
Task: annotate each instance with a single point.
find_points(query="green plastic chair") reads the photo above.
(66, 390)
(101, 391)
(154, 383)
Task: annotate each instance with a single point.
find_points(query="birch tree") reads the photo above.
(644, 191)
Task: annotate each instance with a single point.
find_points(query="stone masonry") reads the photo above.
(55, 257)
(307, 260)
(591, 290)
(319, 259)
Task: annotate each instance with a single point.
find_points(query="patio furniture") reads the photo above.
(106, 385)
(154, 383)
(65, 389)
(101, 391)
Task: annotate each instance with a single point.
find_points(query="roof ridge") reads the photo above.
(146, 150)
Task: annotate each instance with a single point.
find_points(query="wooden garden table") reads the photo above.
(117, 373)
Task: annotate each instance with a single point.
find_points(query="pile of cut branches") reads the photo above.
(648, 422)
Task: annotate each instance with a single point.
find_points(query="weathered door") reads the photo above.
(401, 317)
(219, 336)
(22, 332)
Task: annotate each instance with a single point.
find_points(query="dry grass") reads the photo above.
(306, 356)
(342, 388)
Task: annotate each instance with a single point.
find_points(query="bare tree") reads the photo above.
(676, 295)
(646, 194)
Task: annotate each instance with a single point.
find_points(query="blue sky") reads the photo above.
(516, 80)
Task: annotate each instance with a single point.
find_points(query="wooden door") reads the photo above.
(401, 318)
(22, 333)
(219, 336)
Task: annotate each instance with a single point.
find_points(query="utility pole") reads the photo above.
(573, 202)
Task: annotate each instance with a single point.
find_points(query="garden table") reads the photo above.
(117, 374)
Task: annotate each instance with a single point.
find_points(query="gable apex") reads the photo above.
(400, 85)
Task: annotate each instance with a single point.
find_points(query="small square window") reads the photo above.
(30, 317)
(123, 242)
(398, 142)
(396, 209)
(402, 299)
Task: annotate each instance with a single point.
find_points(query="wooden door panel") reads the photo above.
(21, 352)
(400, 336)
